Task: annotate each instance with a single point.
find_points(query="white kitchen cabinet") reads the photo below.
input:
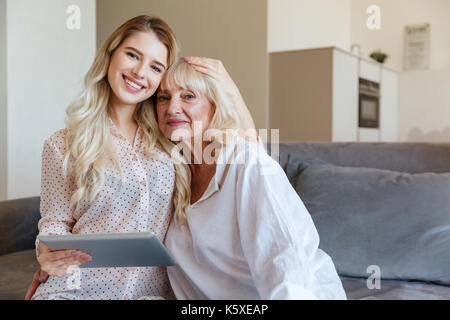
(314, 96)
(369, 70)
(389, 106)
(344, 97)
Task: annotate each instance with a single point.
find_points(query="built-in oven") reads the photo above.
(369, 104)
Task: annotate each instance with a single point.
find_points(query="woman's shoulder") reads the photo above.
(58, 135)
(57, 140)
(249, 154)
(158, 154)
(249, 149)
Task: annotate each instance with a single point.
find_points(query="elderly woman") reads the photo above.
(245, 233)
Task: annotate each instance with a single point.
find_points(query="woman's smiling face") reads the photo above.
(183, 113)
(136, 68)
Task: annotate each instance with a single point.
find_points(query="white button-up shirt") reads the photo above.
(249, 237)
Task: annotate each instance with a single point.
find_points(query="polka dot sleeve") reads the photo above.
(56, 215)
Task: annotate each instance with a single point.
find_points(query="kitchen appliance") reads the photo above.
(369, 104)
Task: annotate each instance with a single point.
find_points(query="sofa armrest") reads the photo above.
(18, 224)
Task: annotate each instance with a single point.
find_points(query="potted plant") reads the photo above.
(379, 56)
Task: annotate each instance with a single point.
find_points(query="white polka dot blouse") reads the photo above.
(139, 202)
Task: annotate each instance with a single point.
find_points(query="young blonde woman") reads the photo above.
(109, 171)
(245, 233)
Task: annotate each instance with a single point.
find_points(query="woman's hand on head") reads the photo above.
(57, 263)
(216, 70)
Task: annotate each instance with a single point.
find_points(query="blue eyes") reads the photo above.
(133, 56)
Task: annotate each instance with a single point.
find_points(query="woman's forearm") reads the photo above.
(246, 118)
(247, 124)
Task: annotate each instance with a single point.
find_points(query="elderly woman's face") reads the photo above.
(183, 113)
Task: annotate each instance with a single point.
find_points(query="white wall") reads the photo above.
(3, 123)
(46, 62)
(425, 106)
(300, 24)
(395, 15)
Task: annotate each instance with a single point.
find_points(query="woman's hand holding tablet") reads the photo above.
(141, 249)
(58, 262)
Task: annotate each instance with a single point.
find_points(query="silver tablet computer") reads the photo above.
(142, 249)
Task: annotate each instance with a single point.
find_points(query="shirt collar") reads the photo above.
(115, 132)
(223, 163)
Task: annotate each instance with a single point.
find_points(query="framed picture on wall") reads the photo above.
(417, 47)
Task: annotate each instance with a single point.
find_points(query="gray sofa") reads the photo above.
(18, 230)
(379, 204)
(306, 165)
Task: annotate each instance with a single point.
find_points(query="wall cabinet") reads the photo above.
(314, 96)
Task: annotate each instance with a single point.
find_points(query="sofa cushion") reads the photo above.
(397, 221)
(357, 289)
(20, 218)
(17, 270)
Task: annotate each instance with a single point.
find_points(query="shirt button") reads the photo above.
(143, 182)
(134, 157)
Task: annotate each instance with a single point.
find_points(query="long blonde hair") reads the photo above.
(88, 137)
(181, 74)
